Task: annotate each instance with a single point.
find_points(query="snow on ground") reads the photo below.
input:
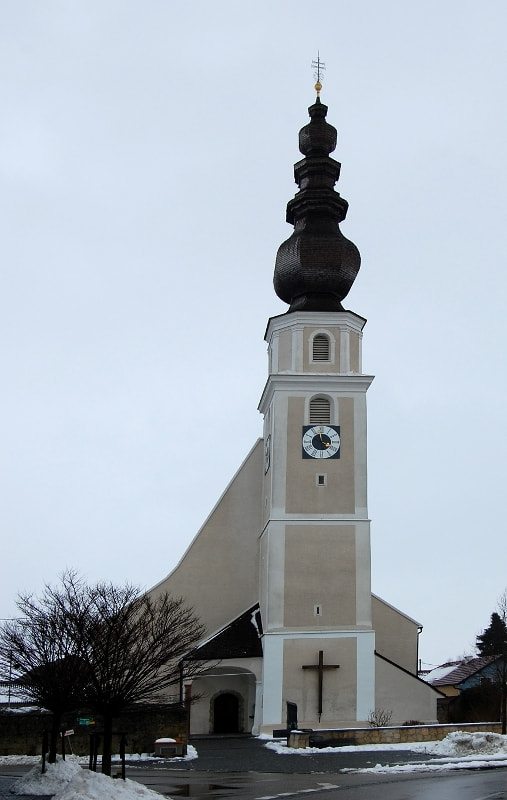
(83, 760)
(459, 750)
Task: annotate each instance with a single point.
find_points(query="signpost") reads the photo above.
(85, 721)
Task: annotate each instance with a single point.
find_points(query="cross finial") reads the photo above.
(318, 66)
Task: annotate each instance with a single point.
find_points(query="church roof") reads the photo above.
(316, 266)
(240, 638)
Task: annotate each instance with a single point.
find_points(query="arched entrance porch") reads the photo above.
(227, 701)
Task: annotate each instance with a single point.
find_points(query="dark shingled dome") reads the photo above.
(317, 265)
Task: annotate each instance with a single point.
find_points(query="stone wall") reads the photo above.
(21, 732)
(392, 735)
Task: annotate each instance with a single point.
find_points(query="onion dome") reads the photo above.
(316, 266)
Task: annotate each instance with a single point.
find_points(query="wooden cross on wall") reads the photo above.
(320, 667)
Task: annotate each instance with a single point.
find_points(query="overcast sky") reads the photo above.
(146, 157)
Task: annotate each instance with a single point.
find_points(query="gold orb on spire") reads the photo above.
(318, 66)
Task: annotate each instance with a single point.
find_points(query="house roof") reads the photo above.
(454, 672)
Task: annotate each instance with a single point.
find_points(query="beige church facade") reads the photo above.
(280, 572)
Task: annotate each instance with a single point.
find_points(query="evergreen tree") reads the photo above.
(493, 640)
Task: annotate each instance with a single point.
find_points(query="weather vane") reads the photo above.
(318, 66)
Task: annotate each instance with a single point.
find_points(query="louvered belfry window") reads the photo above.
(320, 411)
(320, 350)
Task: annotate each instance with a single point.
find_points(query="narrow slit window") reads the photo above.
(320, 411)
(320, 347)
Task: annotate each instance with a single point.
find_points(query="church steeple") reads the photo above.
(316, 266)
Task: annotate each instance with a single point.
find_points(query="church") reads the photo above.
(280, 572)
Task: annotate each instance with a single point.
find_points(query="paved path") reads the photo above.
(240, 754)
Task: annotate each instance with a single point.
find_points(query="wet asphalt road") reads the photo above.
(244, 769)
(490, 785)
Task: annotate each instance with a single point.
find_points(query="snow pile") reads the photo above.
(57, 775)
(66, 780)
(460, 744)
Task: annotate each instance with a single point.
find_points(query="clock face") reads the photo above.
(321, 441)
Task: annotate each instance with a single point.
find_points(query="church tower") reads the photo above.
(279, 573)
(315, 588)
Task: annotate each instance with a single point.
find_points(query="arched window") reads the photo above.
(320, 411)
(320, 347)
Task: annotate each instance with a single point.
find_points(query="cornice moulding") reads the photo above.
(352, 384)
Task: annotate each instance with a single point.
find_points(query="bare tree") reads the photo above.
(101, 646)
(40, 658)
(133, 646)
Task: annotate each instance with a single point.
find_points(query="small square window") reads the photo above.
(321, 480)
